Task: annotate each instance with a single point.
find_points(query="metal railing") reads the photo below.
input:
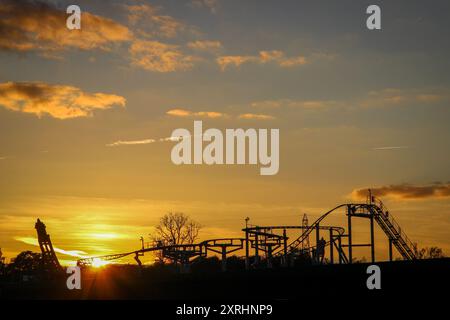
(401, 235)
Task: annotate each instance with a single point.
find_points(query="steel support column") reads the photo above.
(247, 251)
(224, 258)
(269, 257)
(256, 250)
(317, 243)
(372, 240)
(331, 247)
(349, 226)
(285, 262)
(340, 249)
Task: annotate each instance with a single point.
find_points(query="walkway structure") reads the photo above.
(270, 243)
(181, 254)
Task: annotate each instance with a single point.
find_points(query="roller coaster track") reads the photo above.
(296, 243)
(386, 222)
(373, 208)
(266, 231)
(174, 251)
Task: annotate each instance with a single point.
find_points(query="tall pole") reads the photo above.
(256, 248)
(247, 249)
(349, 225)
(317, 243)
(340, 250)
(331, 247)
(372, 239)
(269, 256)
(224, 259)
(285, 262)
(247, 258)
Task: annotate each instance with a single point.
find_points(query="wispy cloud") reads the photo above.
(58, 101)
(130, 142)
(388, 97)
(254, 116)
(292, 62)
(391, 148)
(149, 23)
(171, 139)
(205, 45)
(391, 97)
(71, 253)
(406, 191)
(291, 103)
(272, 56)
(184, 113)
(159, 57)
(225, 61)
(144, 141)
(202, 114)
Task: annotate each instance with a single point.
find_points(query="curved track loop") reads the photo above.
(309, 229)
(375, 208)
(387, 223)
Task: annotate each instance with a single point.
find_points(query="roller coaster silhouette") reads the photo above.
(271, 242)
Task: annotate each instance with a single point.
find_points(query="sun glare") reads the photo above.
(98, 263)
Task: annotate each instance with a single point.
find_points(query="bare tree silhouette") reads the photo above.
(176, 228)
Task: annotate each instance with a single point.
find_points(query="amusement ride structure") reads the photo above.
(49, 259)
(266, 245)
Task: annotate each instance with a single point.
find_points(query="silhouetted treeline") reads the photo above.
(28, 266)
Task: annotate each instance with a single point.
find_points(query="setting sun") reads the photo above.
(98, 263)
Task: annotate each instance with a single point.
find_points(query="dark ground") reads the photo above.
(422, 278)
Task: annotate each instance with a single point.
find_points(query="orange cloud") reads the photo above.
(399, 97)
(151, 24)
(159, 57)
(266, 56)
(293, 62)
(209, 114)
(253, 116)
(406, 191)
(179, 113)
(58, 101)
(236, 61)
(188, 113)
(304, 104)
(27, 25)
(183, 113)
(276, 56)
(205, 45)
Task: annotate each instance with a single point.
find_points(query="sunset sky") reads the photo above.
(85, 116)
